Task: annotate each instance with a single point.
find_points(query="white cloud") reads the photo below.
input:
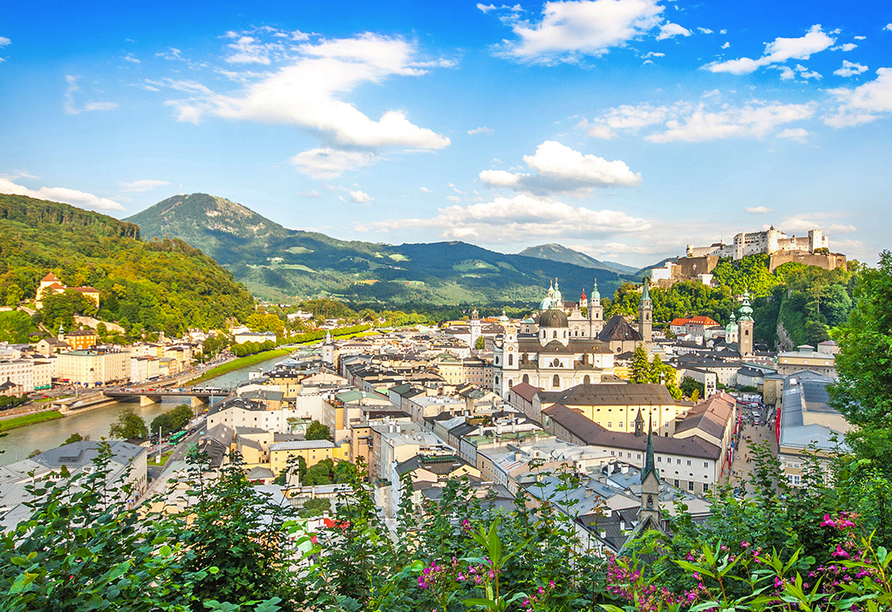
(70, 106)
(309, 194)
(74, 197)
(628, 117)
(751, 121)
(726, 45)
(520, 218)
(558, 168)
(777, 52)
(787, 73)
(308, 93)
(131, 59)
(844, 47)
(327, 163)
(425, 190)
(798, 134)
(481, 130)
(888, 27)
(801, 225)
(758, 210)
(4, 41)
(705, 30)
(453, 198)
(860, 37)
(805, 74)
(572, 29)
(142, 185)
(360, 197)
(850, 68)
(864, 103)
(492, 7)
(249, 50)
(668, 30)
(654, 54)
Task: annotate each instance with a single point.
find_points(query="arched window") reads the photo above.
(510, 382)
(497, 361)
(497, 380)
(526, 378)
(556, 381)
(554, 334)
(510, 359)
(586, 379)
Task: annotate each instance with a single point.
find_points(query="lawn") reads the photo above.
(28, 419)
(241, 362)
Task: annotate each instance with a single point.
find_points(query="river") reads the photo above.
(19, 443)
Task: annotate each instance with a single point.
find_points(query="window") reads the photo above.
(638, 455)
(629, 455)
(526, 378)
(620, 424)
(659, 459)
(706, 464)
(556, 381)
(690, 485)
(678, 461)
(609, 424)
(676, 482)
(689, 462)
(586, 380)
(511, 360)
(705, 487)
(510, 382)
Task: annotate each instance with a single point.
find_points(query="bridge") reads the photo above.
(199, 395)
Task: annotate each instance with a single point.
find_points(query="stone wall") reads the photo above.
(828, 262)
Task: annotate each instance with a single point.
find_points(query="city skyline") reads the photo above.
(625, 129)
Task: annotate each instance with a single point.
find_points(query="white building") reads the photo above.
(766, 242)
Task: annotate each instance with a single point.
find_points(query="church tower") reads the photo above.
(328, 350)
(650, 488)
(745, 326)
(595, 313)
(645, 316)
(475, 327)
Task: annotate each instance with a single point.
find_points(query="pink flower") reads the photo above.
(839, 552)
(827, 522)
(778, 583)
(744, 544)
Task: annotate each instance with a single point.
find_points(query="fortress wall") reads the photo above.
(828, 262)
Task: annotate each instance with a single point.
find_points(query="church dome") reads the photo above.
(553, 318)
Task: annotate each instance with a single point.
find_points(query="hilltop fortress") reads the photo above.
(699, 262)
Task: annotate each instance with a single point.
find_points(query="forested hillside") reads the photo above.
(795, 304)
(158, 285)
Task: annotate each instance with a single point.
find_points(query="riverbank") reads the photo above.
(241, 362)
(28, 419)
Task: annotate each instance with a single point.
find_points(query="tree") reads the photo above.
(318, 431)
(13, 295)
(689, 386)
(863, 391)
(75, 437)
(480, 344)
(640, 365)
(128, 425)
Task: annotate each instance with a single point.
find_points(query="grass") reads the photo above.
(28, 419)
(164, 456)
(241, 362)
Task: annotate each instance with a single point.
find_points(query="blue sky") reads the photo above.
(623, 128)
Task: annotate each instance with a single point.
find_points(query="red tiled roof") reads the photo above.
(702, 320)
(50, 277)
(526, 391)
(679, 322)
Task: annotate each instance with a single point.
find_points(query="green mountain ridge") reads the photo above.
(557, 252)
(277, 263)
(156, 285)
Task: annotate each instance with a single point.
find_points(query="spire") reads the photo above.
(649, 464)
(645, 294)
(596, 295)
(746, 311)
(639, 424)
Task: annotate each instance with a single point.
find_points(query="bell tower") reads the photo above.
(645, 316)
(745, 327)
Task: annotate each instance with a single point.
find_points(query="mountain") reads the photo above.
(278, 263)
(646, 270)
(156, 285)
(557, 252)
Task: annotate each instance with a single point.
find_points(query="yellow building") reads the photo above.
(313, 451)
(50, 285)
(616, 406)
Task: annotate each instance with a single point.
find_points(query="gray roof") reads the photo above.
(612, 395)
(711, 417)
(593, 434)
(301, 445)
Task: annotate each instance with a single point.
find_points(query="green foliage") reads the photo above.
(75, 437)
(318, 431)
(15, 327)
(689, 387)
(314, 507)
(174, 419)
(480, 344)
(128, 425)
(160, 285)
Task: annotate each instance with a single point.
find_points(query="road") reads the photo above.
(754, 429)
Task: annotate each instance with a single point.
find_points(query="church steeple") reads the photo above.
(650, 487)
(645, 316)
(639, 424)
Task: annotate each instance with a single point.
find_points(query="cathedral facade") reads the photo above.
(559, 352)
